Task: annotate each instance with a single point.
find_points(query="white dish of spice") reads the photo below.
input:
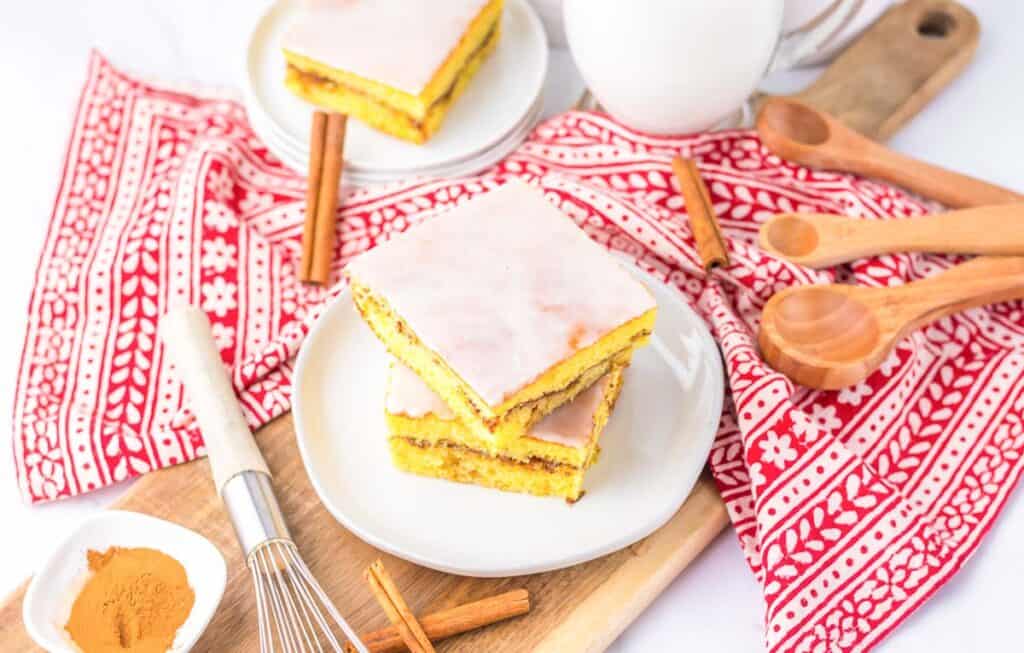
(130, 545)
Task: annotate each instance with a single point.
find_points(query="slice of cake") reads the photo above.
(397, 65)
(427, 438)
(504, 307)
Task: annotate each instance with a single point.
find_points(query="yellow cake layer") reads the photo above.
(431, 429)
(455, 463)
(513, 417)
(407, 116)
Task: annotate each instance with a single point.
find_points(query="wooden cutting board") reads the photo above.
(897, 66)
(875, 86)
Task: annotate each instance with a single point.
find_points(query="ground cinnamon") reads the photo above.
(135, 600)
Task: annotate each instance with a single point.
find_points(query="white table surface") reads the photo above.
(974, 126)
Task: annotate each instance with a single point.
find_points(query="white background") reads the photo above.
(975, 126)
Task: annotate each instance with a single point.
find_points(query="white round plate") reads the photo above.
(500, 95)
(653, 450)
(295, 158)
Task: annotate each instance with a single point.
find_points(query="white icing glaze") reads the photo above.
(502, 288)
(569, 425)
(401, 43)
(409, 395)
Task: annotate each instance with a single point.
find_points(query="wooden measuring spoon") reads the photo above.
(818, 240)
(800, 133)
(832, 335)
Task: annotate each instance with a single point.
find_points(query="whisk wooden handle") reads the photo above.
(229, 443)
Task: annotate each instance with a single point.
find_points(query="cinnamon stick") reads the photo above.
(317, 131)
(397, 609)
(453, 621)
(326, 155)
(704, 222)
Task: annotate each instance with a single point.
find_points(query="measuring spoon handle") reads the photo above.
(953, 189)
(979, 282)
(997, 230)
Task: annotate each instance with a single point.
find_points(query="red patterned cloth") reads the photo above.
(852, 507)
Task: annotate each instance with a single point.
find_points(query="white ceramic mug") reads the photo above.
(677, 66)
(550, 12)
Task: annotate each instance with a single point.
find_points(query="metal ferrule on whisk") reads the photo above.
(293, 610)
(254, 511)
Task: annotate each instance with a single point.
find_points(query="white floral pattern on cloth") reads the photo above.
(852, 507)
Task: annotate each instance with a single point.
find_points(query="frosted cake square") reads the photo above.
(504, 307)
(397, 65)
(427, 438)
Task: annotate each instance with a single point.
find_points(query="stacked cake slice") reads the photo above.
(512, 329)
(427, 438)
(397, 65)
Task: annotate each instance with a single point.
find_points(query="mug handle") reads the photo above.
(798, 45)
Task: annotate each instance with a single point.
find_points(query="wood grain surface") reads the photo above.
(913, 51)
(886, 77)
(573, 605)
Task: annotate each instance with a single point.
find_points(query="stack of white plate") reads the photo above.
(492, 117)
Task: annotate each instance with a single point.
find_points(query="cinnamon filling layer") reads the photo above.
(533, 463)
(607, 362)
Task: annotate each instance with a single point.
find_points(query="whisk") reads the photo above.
(295, 615)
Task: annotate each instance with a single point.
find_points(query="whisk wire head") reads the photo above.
(285, 589)
(292, 605)
(286, 579)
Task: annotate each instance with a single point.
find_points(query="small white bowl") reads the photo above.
(48, 601)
